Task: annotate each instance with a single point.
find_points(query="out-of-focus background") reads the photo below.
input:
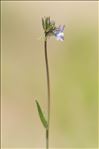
(73, 74)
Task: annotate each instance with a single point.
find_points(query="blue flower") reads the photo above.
(59, 33)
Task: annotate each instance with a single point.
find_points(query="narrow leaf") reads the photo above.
(47, 22)
(43, 24)
(50, 28)
(41, 115)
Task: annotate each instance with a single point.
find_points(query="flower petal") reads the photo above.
(60, 36)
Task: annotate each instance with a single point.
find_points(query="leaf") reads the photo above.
(47, 22)
(43, 24)
(41, 115)
(50, 28)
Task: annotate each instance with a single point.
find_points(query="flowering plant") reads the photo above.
(50, 29)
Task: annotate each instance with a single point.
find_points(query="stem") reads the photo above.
(47, 143)
(48, 92)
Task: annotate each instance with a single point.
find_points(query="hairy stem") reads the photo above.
(48, 92)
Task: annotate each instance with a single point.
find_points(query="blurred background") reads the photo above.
(73, 74)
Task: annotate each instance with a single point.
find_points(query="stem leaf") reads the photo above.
(41, 115)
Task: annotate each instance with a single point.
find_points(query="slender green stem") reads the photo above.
(48, 92)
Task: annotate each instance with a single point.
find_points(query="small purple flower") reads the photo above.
(59, 33)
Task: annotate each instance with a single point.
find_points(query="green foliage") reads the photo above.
(43, 24)
(47, 22)
(41, 115)
(48, 25)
